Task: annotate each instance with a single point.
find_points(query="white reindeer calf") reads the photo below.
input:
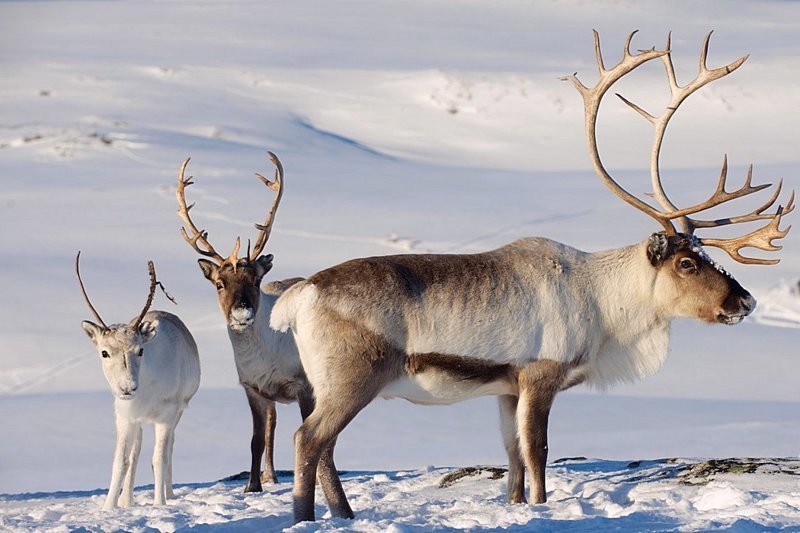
(153, 369)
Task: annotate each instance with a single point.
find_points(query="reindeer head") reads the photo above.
(236, 279)
(121, 346)
(688, 282)
(238, 288)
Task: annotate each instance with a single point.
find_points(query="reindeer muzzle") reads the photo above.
(741, 305)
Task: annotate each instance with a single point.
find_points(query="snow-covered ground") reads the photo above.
(403, 126)
(585, 495)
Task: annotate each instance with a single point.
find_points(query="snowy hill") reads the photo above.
(403, 126)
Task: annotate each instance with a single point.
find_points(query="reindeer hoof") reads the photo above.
(269, 477)
(539, 499)
(517, 498)
(253, 487)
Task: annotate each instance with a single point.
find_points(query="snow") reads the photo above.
(403, 127)
(586, 495)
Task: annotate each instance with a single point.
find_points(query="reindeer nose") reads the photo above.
(748, 303)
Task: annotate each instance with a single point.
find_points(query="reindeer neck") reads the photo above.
(623, 282)
(635, 335)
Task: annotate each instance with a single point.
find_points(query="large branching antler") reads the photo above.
(198, 239)
(83, 290)
(761, 238)
(266, 228)
(591, 105)
(678, 95)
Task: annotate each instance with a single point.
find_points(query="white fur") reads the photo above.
(152, 388)
(282, 315)
(438, 388)
(266, 359)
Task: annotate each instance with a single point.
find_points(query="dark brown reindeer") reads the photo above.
(522, 322)
(267, 361)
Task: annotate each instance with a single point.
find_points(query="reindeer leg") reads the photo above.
(126, 499)
(163, 433)
(120, 465)
(303, 491)
(170, 493)
(353, 378)
(539, 382)
(268, 475)
(327, 475)
(516, 468)
(316, 437)
(332, 485)
(257, 442)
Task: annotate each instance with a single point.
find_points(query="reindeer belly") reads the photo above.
(444, 379)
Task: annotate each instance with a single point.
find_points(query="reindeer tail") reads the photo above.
(284, 313)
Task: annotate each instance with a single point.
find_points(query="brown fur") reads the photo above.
(539, 382)
(413, 276)
(279, 286)
(462, 367)
(702, 279)
(262, 411)
(237, 286)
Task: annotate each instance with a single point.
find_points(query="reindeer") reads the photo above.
(522, 322)
(267, 361)
(153, 369)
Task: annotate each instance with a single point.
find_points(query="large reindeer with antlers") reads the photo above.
(267, 361)
(153, 369)
(522, 322)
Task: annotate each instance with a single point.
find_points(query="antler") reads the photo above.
(761, 238)
(591, 105)
(199, 238)
(152, 269)
(266, 227)
(83, 290)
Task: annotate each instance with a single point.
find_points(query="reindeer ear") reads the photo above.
(658, 248)
(92, 330)
(209, 268)
(263, 265)
(148, 330)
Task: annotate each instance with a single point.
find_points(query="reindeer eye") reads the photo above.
(141, 352)
(105, 354)
(220, 286)
(687, 264)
